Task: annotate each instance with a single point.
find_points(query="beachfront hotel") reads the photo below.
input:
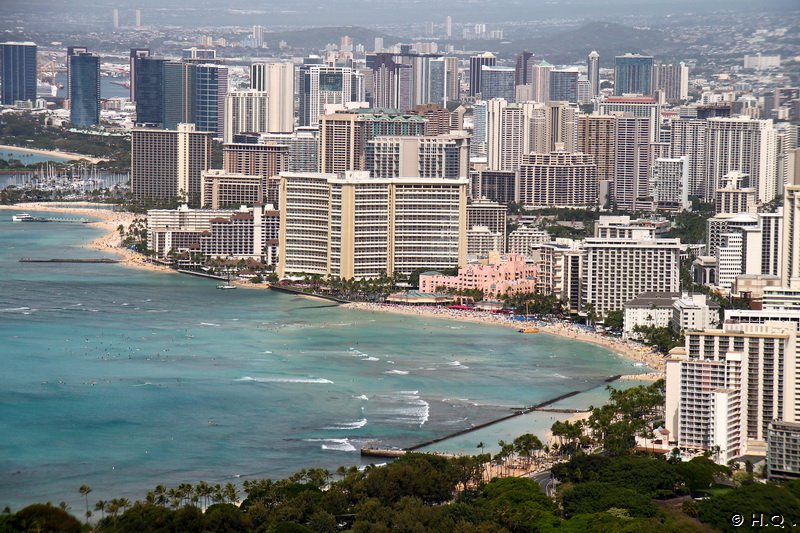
(498, 276)
(243, 233)
(167, 164)
(353, 226)
(725, 386)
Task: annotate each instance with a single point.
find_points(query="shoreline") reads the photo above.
(110, 241)
(627, 349)
(67, 156)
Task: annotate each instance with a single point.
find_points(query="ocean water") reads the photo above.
(27, 158)
(124, 379)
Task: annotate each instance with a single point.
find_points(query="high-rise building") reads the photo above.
(558, 179)
(180, 94)
(448, 26)
(638, 106)
(444, 81)
(115, 18)
(596, 137)
(490, 217)
(521, 70)
(392, 82)
(497, 82)
(539, 80)
(688, 138)
(303, 146)
(670, 184)
(560, 128)
(746, 145)
(277, 79)
(245, 112)
(320, 86)
(725, 386)
(73, 51)
(593, 71)
(734, 195)
(199, 55)
(138, 14)
(135, 55)
(148, 78)
(672, 80)
(510, 132)
(212, 88)
(166, 165)
(356, 226)
(479, 116)
(633, 74)
(344, 136)
(632, 162)
(790, 271)
(486, 59)
(564, 85)
(221, 189)
(441, 156)
(619, 270)
(17, 72)
(84, 89)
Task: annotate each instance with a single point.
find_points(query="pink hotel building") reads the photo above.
(508, 274)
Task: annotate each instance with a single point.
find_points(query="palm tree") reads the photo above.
(101, 506)
(481, 445)
(160, 495)
(85, 490)
(231, 493)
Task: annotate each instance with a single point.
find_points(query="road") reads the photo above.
(545, 482)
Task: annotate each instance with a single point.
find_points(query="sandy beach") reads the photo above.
(631, 350)
(64, 155)
(111, 241)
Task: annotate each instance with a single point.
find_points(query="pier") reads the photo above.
(98, 260)
(201, 274)
(299, 292)
(393, 453)
(62, 220)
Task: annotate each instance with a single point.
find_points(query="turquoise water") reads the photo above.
(27, 158)
(124, 379)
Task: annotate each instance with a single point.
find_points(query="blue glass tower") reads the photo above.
(17, 72)
(633, 74)
(149, 74)
(563, 85)
(497, 82)
(84, 89)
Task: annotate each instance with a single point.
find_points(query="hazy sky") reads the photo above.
(319, 12)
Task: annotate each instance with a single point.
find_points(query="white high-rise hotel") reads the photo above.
(245, 112)
(355, 226)
(746, 145)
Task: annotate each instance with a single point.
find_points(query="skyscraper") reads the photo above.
(448, 26)
(497, 82)
(392, 82)
(631, 169)
(277, 79)
(521, 70)
(167, 165)
(180, 93)
(487, 59)
(136, 53)
(633, 74)
(564, 85)
(84, 89)
(746, 145)
(212, 88)
(593, 71)
(558, 179)
(148, 77)
(595, 137)
(689, 139)
(17, 72)
(321, 85)
(73, 51)
(444, 86)
(245, 112)
(672, 80)
(510, 132)
(539, 80)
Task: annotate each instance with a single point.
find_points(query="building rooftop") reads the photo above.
(654, 299)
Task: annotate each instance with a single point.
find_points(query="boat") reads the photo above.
(529, 330)
(226, 285)
(21, 217)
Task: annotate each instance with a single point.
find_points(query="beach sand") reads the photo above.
(110, 241)
(65, 155)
